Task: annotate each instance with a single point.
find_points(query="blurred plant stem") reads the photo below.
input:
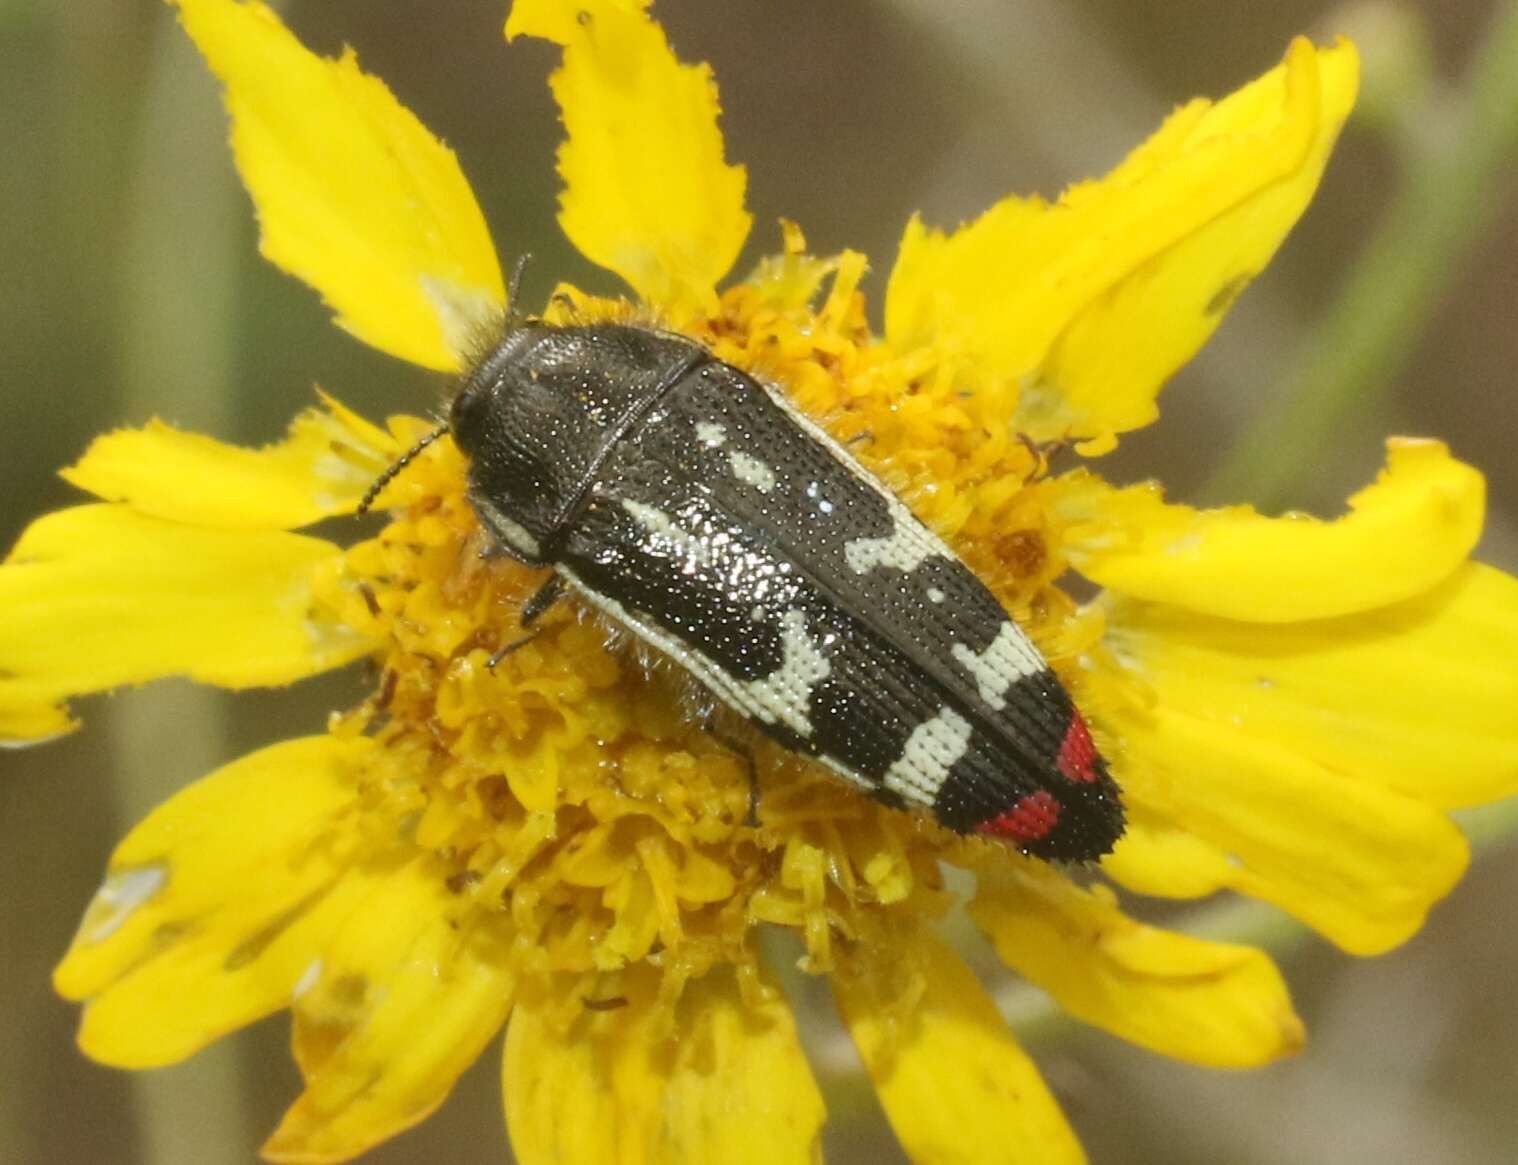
(173, 346)
(1454, 149)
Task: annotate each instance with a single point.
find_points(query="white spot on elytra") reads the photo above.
(933, 748)
(1010, 657)
(935, 595)
(712, 435)
(801, 667)
(785, 694)
(308, 978)
(752, 471)
(780, 697)
(696, 550)
(909, 544)
(119, 897)
(906, 547)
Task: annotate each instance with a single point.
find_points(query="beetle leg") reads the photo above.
(742, 751)
(544, 597)
(506, 649)
(532, 610)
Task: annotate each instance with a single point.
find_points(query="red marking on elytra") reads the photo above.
(1033, 817)
(1077, 755)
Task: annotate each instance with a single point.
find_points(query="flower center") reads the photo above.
(565, 777)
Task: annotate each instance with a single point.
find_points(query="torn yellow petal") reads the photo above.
(1209, 1003)
(404, 997)
(1418, 697)
(214, 906)
(99, 596)
(790, 280)
(1092, 302)
(955, 1084)
(1360, 863)
(321, 468)
(728, 1084)
(647, 193)
(25, 722)
(1403, 535)
(354, 196)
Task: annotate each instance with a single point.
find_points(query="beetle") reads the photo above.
(698, 508)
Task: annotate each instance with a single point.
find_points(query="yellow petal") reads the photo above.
(404, 998)
(1418, 697)
(728, 1084)
(1161, 859)
(99, 596)
(354, 196)
(791, 280)
(214, 905)
(25, 722)
(1403, 535)
(647, 193)
(320, 469)
(1360, 863)
(1094, 301)
(955, 1084)
(1210, 1003)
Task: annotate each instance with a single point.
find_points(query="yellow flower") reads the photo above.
(1290, 705)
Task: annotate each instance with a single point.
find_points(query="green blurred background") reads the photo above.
(132, 289)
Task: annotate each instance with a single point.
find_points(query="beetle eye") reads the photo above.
(469, 417)
(467, 404)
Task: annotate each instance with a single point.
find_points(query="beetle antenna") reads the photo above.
(397, 466)
(514, 314)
